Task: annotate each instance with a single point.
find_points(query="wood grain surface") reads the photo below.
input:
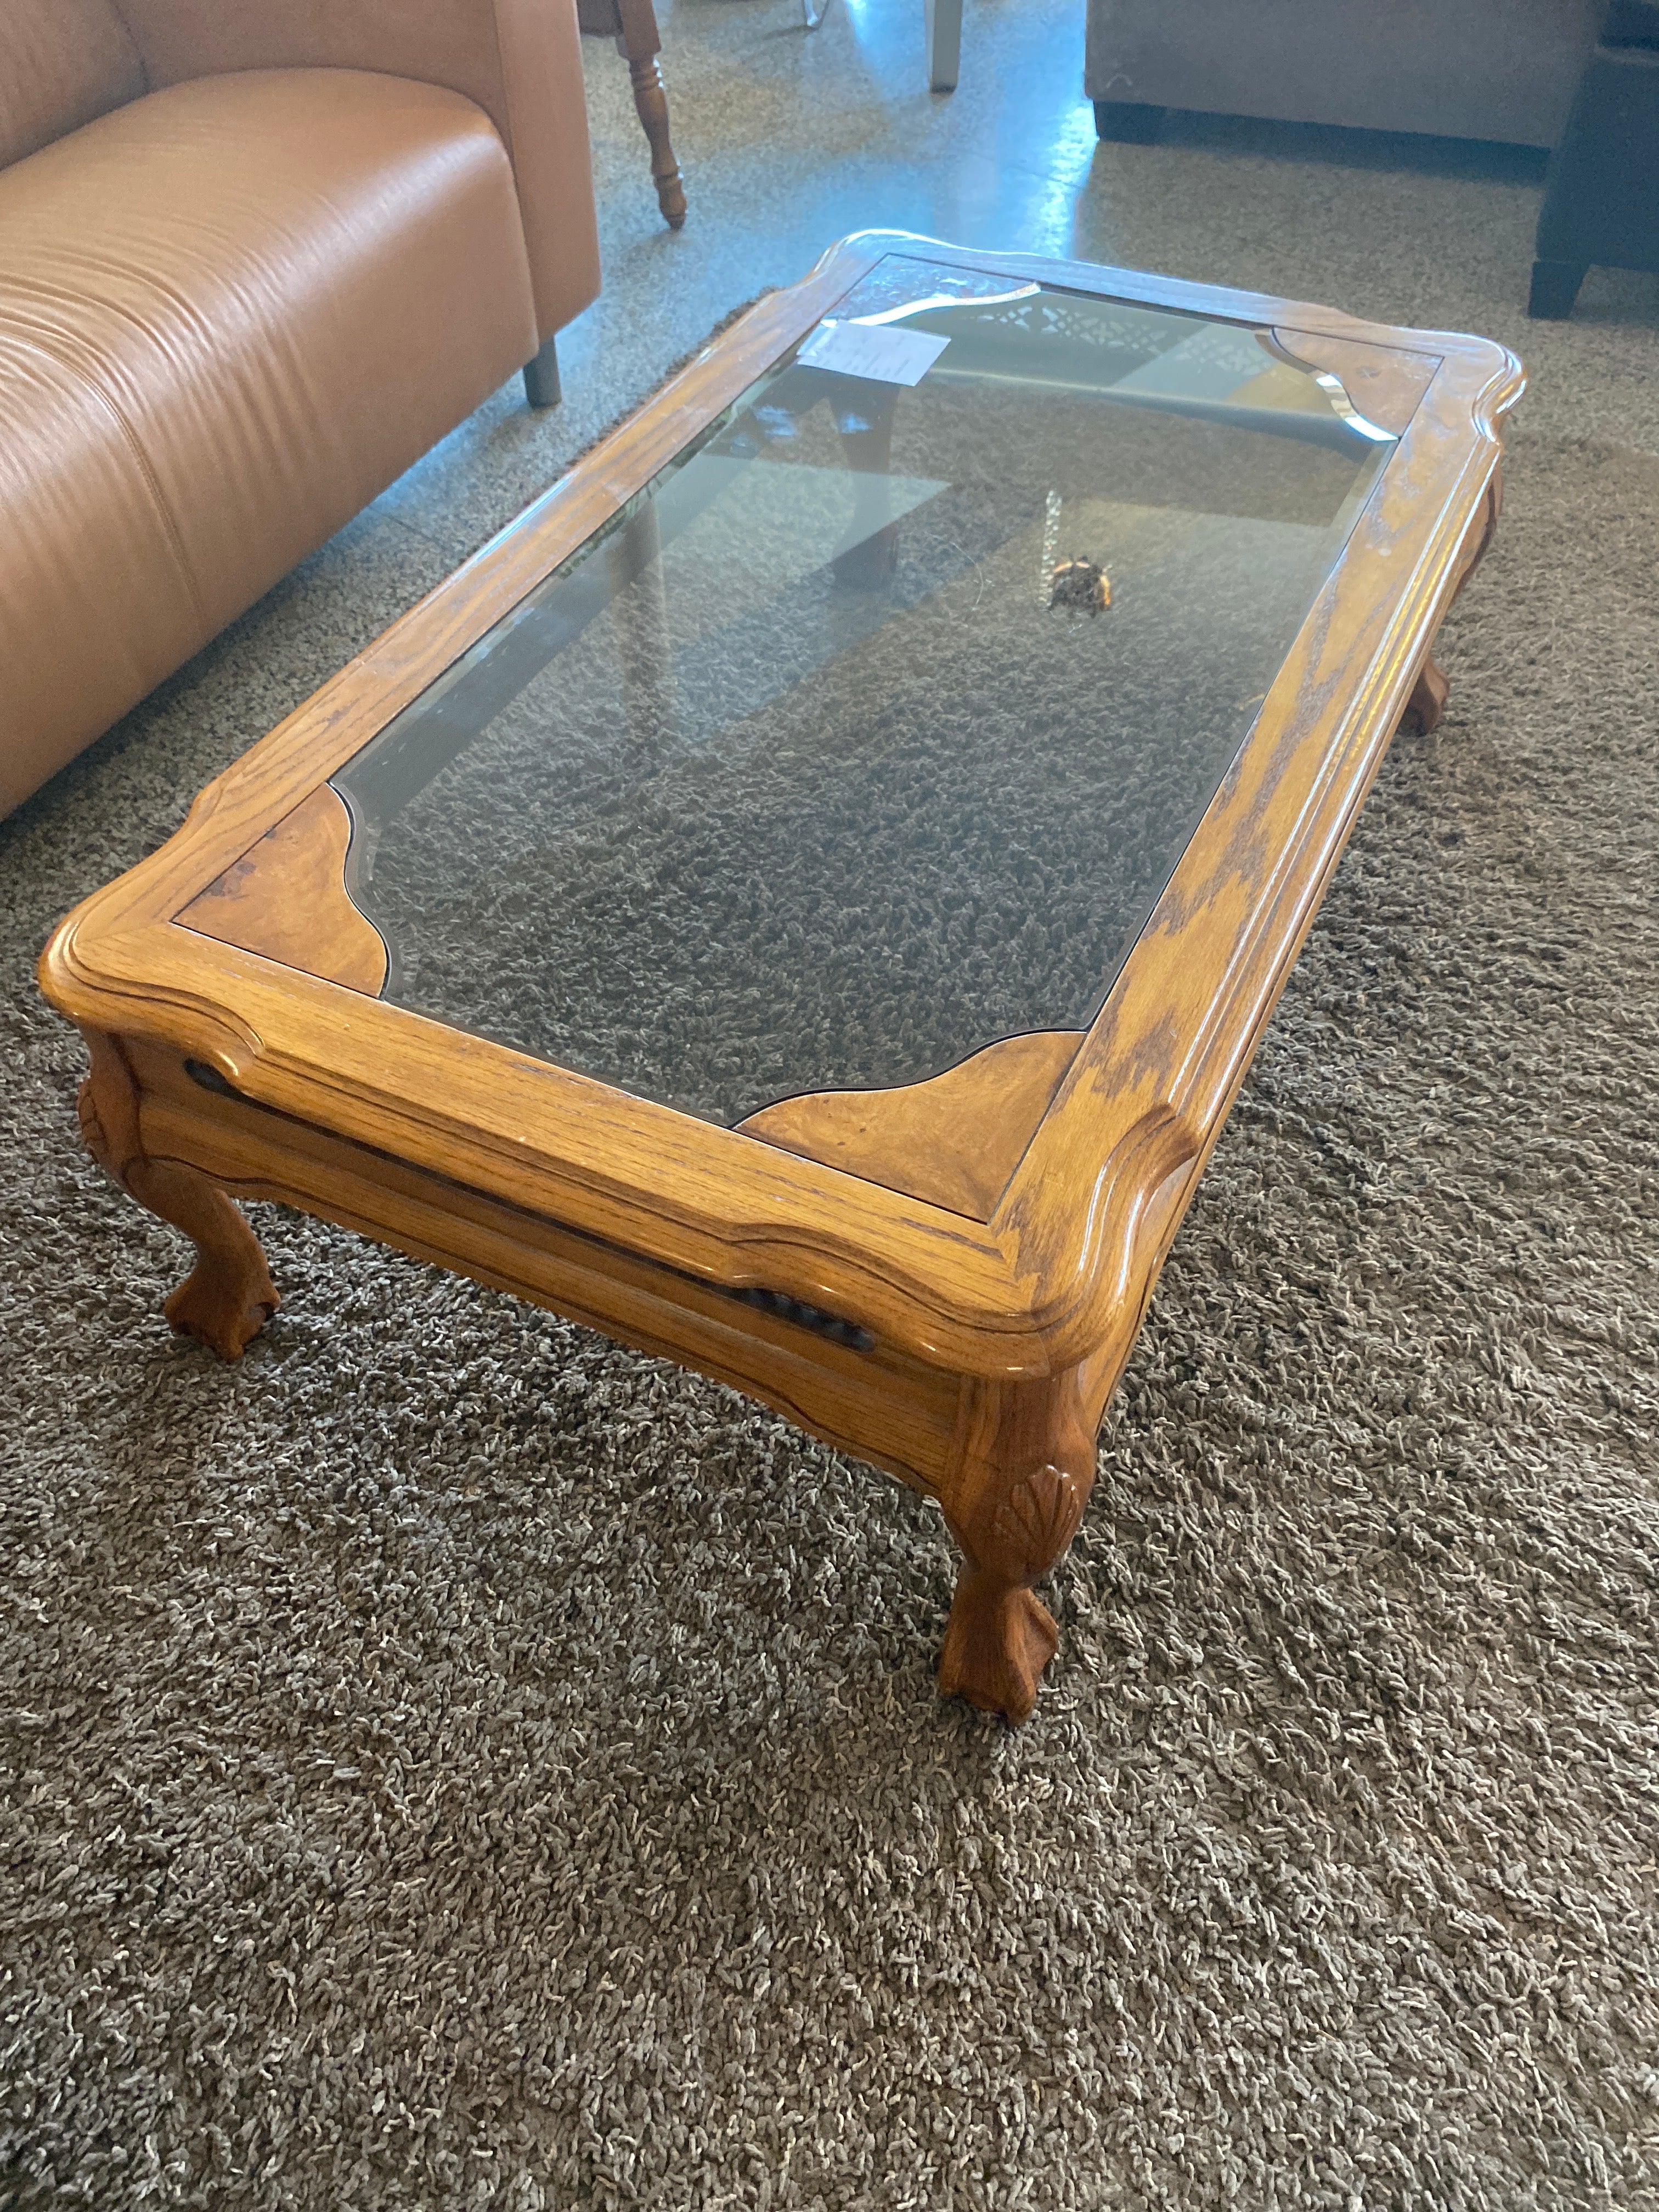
(953, 1140)
(286, 898)
(950, 1287)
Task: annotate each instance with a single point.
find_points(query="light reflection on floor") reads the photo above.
(790, 138)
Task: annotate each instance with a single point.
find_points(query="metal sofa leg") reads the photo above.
(943, 44)
(541, 377)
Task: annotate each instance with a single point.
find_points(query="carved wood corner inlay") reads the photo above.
(286, 899)
(952, 1140)
(1384, 385)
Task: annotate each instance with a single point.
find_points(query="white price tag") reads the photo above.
(883, 351)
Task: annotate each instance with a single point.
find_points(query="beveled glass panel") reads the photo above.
(826, 761)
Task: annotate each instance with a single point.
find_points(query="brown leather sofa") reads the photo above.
(255, 256)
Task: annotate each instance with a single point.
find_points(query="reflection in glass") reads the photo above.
(800, 774)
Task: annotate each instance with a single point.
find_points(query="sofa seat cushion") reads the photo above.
(230, 313)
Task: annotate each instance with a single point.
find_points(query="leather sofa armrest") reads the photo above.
(519, 60)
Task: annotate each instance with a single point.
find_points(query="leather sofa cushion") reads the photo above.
(229, 313)
(519, 59)
(62, 63)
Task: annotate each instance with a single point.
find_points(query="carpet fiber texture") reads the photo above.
(451, 1761)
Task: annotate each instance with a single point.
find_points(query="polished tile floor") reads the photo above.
(789, 139)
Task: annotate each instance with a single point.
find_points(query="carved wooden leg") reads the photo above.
(1428, 701)
(1025, 1468)
(652, 102)
(227, 1296)
(1429, 693)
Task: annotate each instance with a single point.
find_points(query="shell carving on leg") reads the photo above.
(1037, 1520)
(1026, 1466)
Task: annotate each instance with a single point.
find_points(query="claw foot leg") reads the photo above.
(1026, 1466)
(1428, 701)
(228, 1296)
(997, 1642)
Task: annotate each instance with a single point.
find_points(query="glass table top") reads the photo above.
(871, 731)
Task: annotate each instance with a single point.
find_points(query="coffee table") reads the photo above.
(803, 898)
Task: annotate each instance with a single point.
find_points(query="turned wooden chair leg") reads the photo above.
(633, 25)
(651, 102)
(541, 377)
(228, 1296)
(1026, 1466)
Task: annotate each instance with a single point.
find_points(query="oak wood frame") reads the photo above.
(968, 1347)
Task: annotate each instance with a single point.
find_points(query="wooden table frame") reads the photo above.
(950, 1288)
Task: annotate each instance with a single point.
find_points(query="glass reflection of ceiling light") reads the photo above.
(1335, 392)
(951, 300)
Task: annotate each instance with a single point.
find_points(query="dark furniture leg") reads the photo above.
(943, 19)
(1603, 182)
(1554, 288)
(541, 377)
(866, 438)
(1128, 122)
